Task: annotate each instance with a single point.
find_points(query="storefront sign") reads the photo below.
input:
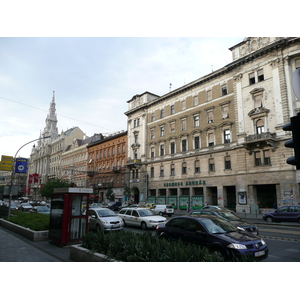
(194, 182)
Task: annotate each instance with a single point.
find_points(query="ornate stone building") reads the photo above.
(219, 139)
(45, 157)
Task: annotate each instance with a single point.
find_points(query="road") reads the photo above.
(283, 240)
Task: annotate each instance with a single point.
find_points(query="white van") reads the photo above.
(163, 209)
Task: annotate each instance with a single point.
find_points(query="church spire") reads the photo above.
(51, 120)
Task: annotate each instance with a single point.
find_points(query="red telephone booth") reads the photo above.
(69, 215)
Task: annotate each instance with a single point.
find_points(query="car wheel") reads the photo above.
(269, 219)
(160, 213)
(144, 225)
(98, 228)
(220, 256)
(124, 223)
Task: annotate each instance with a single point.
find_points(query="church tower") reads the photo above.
(51, 120)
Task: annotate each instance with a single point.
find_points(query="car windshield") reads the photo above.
(145, 213)
(229, 216)
(43, 208)
(217, 225)
(105, 213)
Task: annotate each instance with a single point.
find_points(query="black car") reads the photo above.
(228, 216)
(219, 236)
(115, 206)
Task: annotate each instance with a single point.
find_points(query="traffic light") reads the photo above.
(294, 126)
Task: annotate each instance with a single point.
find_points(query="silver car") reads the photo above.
(104, 219)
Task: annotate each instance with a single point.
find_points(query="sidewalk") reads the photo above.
(15, 248)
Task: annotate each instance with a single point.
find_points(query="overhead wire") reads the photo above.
(57, 113)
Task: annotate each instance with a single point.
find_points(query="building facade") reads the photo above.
(74, 162)
(219, 139)
(106, 168)
(45, 157)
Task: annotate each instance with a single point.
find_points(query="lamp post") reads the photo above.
(13, 170)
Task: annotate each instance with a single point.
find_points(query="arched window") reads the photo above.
(260, 126)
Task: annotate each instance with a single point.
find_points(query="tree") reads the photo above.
(110, 195)
(48, 188)
(127, 192)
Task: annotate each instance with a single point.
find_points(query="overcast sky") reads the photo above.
(93, 78)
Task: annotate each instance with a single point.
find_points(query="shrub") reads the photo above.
(32, 221)
(128, 246)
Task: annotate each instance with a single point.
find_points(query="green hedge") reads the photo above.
(128, 246)
(33, 221)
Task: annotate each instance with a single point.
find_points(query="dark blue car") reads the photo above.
(288, 213)
(218, 235)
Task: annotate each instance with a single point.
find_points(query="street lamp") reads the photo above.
(13, 170)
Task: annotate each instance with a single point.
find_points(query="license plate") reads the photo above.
(259, 253)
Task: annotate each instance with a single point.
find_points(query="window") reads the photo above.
(211, 139)
(183, 145)
(227, 163)
(257, 158)
(161, 171)
(260, 75)
(172, 109)
(226, 136)
(152, 117)
(225, 111)
(197, 142)
(136, 139)
(196, 120)
(152, 152)
(195, 100)
(210, 116)
(162, 113)
(211, 165)
(152, 172)
(297, 63)
(260, 127)
(251, 78)
(267, 160)
(197, 166)
(224, 90)
(172, 127)
(162, 150)
(152, 136)
(162, 130)
(184, 168)
(183, 105)
(172, 147)
(208, 95)
(172, 170)
(183, 124)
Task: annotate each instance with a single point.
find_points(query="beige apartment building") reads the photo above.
(219, 140)
(74, 162)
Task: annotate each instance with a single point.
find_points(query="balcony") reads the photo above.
(133, 161)
(116, 169)
(260, 141)
(90, 173)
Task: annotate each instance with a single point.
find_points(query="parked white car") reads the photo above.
(104, 219)
(163, 209)
(140, 217)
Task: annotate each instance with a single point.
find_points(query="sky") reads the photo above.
(93, 78)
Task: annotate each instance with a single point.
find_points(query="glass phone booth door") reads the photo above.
(78, 223)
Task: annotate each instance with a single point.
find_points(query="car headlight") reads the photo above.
(152, 221)
(237, 246)
(104, 221)
(240, 228)
(263, 242)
